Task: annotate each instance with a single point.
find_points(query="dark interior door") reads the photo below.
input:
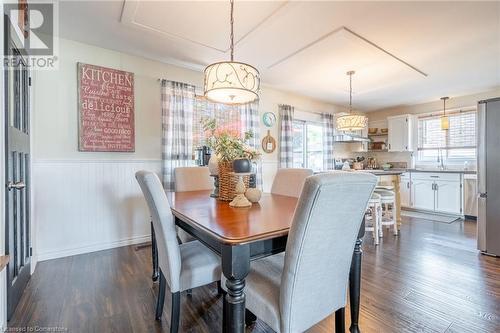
(17, 171)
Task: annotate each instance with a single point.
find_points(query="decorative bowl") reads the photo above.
(242, 165)
(384, 130)
(372, 130)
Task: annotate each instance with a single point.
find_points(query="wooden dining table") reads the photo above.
(240, 235)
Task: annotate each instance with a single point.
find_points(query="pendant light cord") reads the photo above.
(350, 92)
(444, 107)
(232, 30)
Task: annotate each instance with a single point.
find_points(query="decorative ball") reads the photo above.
(213, 165)
(253, 194)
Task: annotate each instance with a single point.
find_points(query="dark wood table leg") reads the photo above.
(355, 286)
(340, 320)
(154, 254)
(235, 266)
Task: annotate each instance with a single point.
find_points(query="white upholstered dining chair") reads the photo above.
(293, 292)
(181, 266)
(191, 179)
(289, 181)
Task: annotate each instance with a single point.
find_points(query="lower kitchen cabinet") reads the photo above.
(436, 192)
(423, 194)
(405, 191)
(448, 197)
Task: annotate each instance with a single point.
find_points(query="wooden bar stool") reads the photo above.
(389, 210)
(374, 214)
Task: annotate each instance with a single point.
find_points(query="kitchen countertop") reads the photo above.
(383, 172)
(468, 172)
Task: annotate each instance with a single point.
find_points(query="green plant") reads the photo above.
(227, 143)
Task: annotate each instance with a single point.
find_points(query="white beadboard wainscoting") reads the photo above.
(83, 206)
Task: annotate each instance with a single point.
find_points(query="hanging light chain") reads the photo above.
(232, 30)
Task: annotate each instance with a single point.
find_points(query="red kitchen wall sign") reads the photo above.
(105, 109)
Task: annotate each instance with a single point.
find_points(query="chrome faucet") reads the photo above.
(440, 160)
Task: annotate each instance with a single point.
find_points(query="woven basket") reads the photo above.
(227, 181)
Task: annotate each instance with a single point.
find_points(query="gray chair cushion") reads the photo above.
(199, 265)
(263, 288)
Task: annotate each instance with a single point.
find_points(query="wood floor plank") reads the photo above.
(429, 279)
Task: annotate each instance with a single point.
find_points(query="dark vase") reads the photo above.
(242, 165)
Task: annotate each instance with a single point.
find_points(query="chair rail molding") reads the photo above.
(86, 205)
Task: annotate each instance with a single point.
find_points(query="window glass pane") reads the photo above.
(458, 142)
(314, 146)
(298, 144)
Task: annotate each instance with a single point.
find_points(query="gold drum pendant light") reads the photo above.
(351, 122)
(445, 120)
(231, 82)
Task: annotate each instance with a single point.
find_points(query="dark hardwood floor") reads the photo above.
(429, 279)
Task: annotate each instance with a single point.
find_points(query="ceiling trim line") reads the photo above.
(355, 35)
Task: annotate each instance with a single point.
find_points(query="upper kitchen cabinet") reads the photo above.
(402, 134)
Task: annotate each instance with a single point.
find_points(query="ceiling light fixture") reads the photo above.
(231, 82)
(445, 120)
(351, 122)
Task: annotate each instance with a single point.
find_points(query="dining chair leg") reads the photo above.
(154, 254)
(161, 296)
(220, 291)
(340, 320)
(376, 224)
(176, 312)
(250, 318)
(395, 218)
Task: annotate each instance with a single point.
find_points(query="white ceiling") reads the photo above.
(307, 47)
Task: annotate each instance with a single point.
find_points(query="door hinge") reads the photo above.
(29, 81)
(31, 251)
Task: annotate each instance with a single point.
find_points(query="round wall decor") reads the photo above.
(269, 119)
(268, 143)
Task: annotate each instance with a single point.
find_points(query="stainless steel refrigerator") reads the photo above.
(488, 176)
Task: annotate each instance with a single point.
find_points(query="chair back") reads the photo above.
(192, 179)
(289, 181)
(169, 256)
(320, 246)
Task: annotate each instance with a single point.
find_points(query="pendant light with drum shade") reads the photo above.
(351, 122)
(231, 82)
(445, 120)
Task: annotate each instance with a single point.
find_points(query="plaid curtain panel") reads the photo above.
(177, 103)
(328, 133)
(250, 122)
(286, 136)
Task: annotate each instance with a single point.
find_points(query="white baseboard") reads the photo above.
(91, 248)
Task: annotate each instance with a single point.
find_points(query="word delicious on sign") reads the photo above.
(106, 109)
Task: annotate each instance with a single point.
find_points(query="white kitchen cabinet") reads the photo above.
(448, 197)
(402, 133)
(423, 194)
(405, 191)
(438, 192)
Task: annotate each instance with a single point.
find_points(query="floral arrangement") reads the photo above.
(227, 143)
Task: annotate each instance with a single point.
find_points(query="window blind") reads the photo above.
(461, 133)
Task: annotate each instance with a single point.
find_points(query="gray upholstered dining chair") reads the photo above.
(293, 292)
(289, 181)
(182, 266)
(191, 179)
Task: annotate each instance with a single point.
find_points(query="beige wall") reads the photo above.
(55, 98)
(435, 106)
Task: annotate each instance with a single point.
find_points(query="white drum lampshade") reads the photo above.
(231, 82)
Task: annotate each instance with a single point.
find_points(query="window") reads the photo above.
(225, 115)
(307, 145)
(458, 144)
